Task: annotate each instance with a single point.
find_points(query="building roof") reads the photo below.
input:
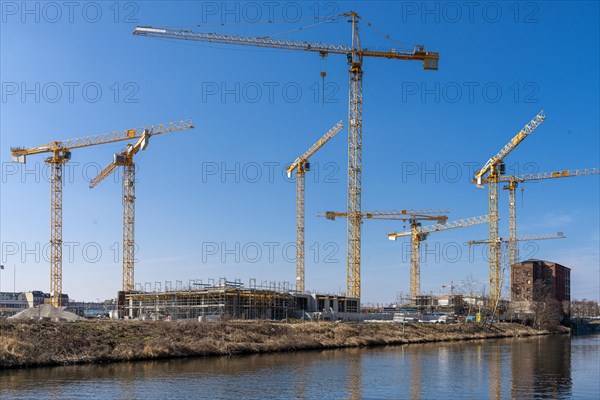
(541, 261)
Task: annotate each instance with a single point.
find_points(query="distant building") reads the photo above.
(535, 280)
(92, 309)
(37, 297)
(447, 302)
(12, 303)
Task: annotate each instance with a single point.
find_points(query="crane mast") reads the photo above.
(513, 249)
(354, 165)
(61, 154)
(301, 165)
(128, 182)
(354, 55)
(300, 247)
(56, 163)
(128, 269)
(494, 248)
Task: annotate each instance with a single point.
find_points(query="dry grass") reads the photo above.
(34, 343)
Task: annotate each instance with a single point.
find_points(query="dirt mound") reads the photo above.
(47, 311)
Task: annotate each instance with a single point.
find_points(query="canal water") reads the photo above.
(555, 367)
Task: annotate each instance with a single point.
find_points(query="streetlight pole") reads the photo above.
(1, 268)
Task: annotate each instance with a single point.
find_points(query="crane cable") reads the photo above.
(386, 36)
(246, 23)
(323, 72)
(243, 23)
(323, 75)
(304, 27)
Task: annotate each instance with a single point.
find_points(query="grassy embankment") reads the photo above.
(36, 343)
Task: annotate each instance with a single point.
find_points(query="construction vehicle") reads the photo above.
(491, 172)
(125, 160)
(60, 154)
(418, 234)
(412, 216)
(301, 166)
(354, 55)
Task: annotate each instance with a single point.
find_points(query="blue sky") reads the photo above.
(213, 202)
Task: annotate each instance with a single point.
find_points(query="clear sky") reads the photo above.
(214, 202)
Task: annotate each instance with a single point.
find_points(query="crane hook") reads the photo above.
(323, 75)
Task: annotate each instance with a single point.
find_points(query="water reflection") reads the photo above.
(511, 368)
(354, 378)
(541, 367)
(301, 378)
(495, 362)
(415, 382)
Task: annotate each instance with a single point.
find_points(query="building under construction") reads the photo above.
(223, 299)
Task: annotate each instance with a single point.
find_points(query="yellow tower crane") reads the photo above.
(354, 56)
(61, 154)
(125, 160)
(301, 166)
(413, 216)
(491, 172)
(418, 234)
(512, 182)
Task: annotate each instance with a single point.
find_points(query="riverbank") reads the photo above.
(42, 343)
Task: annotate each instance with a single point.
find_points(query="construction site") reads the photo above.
(223, 299)
(299, 199)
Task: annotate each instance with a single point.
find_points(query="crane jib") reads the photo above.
(111, 137)
(430, 59)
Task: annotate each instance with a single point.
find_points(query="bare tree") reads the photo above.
(547, 310)
(470, 287)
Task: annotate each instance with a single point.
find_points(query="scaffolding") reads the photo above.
(220, 299)
(223, 299)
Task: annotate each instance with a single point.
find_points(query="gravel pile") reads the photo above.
(47, 311)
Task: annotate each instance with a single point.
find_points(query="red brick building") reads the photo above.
(552, 278)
